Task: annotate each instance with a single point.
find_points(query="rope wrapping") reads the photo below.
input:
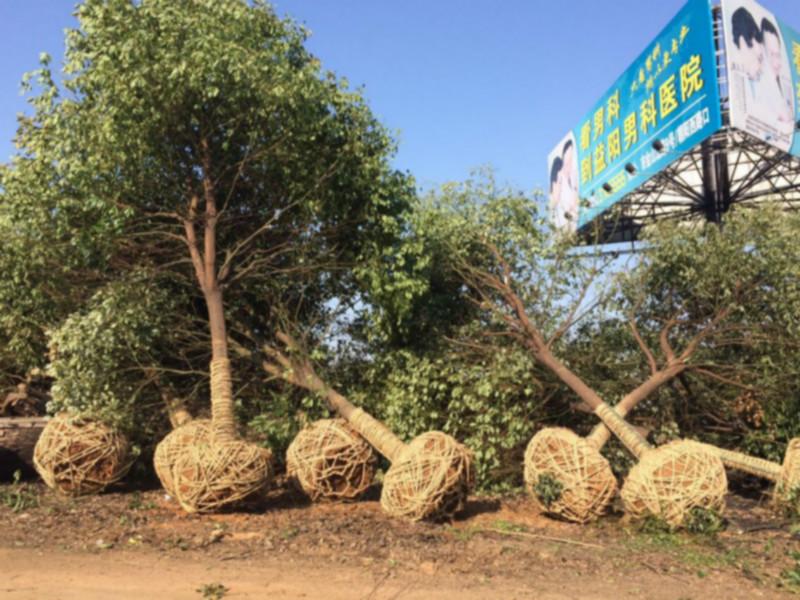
(222, 417)
(587, 484)
(670, 481)
(176, 442)
(376, 433)
(78, 456)
(329, 460)
(622, 429)
(430, 479)
(211, 471)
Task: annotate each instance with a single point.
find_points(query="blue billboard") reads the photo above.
(667, 102)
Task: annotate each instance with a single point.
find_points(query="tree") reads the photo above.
(215, 149)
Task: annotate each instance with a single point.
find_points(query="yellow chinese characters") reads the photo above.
(612, 108)
(599, 123)
(614, 145)
(667, 97)
(586, 136)
(631, 130)
(648, 114)
(586, 169)
(600, 158)
(691, 77)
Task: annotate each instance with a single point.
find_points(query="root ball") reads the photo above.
(79, 456)
(207, 477)
(431, 479)
(173, 444)
(567, 476)
(329, 460)
(668, 482)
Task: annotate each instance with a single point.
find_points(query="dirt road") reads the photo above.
(36, 575)
(133, 546)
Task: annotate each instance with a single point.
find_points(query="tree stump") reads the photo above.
(18, 436)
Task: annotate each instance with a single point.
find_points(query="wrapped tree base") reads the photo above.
(567, 476)
(207, 477)
(788, 485)
(329, 460)
(168, 449)
(430, 479)
(669, 481)
(77, 456)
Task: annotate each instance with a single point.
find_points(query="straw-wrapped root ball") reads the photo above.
(207, 477)
(431, 479)
(787, 488)
(329, 460)
(567, 476)
(173, 444)
(79, 456)
(672, 480)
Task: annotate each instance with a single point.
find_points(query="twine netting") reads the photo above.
(329, 460)
(788, 485)
(173, 444)
(430, 479)
(669, 481)
(209, 476)
(585, 485)
(78, 456)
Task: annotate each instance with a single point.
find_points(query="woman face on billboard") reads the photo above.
(749, 51)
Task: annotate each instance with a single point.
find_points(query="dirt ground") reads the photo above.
(132, 545)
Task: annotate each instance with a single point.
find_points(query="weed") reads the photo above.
(548, 489)
(704, 521)
(213, 591)
(791, 503)
(290, 532)
(508, 526)
(463, 534)
(137, 503)
(792, 575)
(19, 496)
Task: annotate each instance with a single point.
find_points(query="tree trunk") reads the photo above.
(222, 406)
(18, 436)
(600, 434)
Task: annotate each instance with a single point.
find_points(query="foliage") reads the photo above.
(492, 404)
(791, 575)
(96, 353)
(429, 363)
(163, 103)
(704, 521)
(19, 496)
(739, 389)
(548, 489)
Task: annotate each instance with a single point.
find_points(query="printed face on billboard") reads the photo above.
(563, 192)
(664, 104)
(760, 73)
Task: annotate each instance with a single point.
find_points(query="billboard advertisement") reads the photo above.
(663, 105)
(763, 60)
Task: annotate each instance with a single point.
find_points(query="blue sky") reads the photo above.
(463, 83)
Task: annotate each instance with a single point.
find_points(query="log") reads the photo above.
(18, 436)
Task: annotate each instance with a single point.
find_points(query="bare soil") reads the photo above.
(133, 545)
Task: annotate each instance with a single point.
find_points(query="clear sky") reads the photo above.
(463, 83)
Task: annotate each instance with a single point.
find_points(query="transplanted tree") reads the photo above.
(216, 148)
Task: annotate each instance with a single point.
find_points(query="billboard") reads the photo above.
(763, 60)
(663, 105)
